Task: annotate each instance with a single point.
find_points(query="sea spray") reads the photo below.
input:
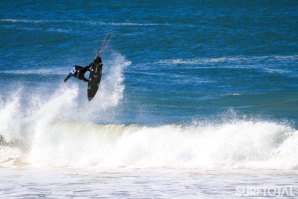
(26, 117)
(41, 140)
(238, 145)
(9, 117)
(111, 88)
(30, 108)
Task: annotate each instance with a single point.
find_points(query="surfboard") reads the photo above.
(96, 70)
(94, 80)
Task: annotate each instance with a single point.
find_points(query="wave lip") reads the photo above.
(240, 145)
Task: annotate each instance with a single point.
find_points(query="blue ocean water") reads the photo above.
(188, 60)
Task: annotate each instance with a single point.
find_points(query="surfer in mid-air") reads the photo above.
(95, 69)
(79, 71)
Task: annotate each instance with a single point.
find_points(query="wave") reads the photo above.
(225, 59)
(43, 21)
(24, 116)
(23, 21)
(59, 26)
(57, 131)
(36, 21)
(265, 64)
(64, 102)
(52, 71)
(228, 146)
(133, 24)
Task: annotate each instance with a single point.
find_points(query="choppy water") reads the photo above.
(199, 95)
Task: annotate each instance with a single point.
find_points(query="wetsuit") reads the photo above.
(95, 63)
(78, 72)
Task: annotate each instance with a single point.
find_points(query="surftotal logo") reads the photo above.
(258, 191)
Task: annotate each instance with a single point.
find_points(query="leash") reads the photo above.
(105, 43)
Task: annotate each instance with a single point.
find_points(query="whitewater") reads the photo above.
(59, 130)
(223, 147)
(53, 147)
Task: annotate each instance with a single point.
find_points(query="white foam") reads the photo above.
(22, 115)
(45, 71)
(277, 71)
(36, 21)
(112, 87)
(133, 24)
(41, 138)
(286, 57)
(47, 140)
(244, 144)
(198, 60)
(10, 156)
(224, 59)
(238, 145)
(231, 145)
(9, 118)
(22, 21)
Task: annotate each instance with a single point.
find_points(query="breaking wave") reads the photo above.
(235, 145)
(25, 110)
(57, 130)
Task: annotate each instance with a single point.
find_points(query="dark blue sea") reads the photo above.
(189, 88)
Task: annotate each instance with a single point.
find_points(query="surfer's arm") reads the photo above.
(87, 68)
(91, 64)
(85, 79)
(68, 76)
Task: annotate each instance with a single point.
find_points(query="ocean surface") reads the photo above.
(198, 99)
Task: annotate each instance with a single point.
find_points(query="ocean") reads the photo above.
(198, 99)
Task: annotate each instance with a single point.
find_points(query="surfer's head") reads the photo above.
(97, 60)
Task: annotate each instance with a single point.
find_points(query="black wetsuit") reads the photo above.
(79, 71)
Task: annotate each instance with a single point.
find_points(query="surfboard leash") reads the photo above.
(105, 43)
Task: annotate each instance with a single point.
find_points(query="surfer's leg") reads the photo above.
(79, 74)
(84, 70)
(88, 67)
(85, 79)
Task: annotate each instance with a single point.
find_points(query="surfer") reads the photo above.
(95, 69)
(79, 71)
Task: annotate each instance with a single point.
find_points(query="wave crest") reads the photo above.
(236, 145)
